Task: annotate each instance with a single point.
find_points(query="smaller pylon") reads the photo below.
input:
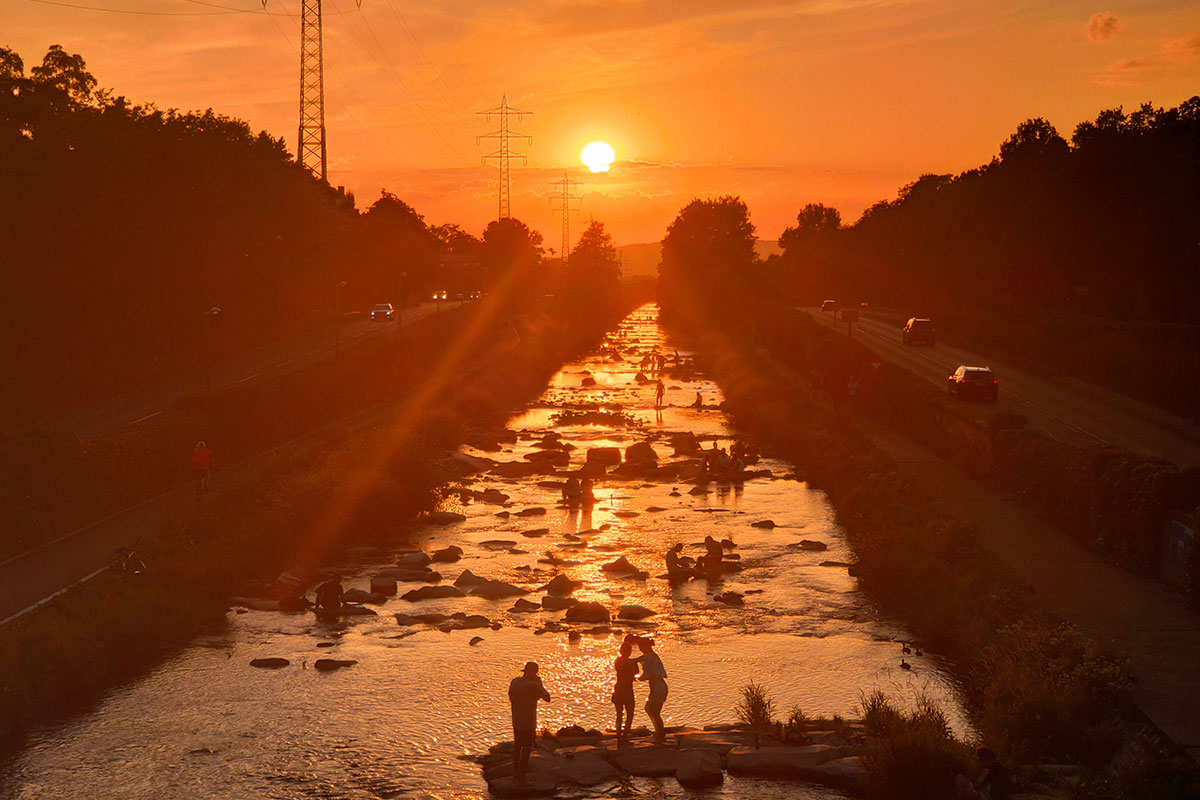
(563, 196)
(504, 154)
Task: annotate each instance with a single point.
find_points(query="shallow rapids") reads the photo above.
(399, 722)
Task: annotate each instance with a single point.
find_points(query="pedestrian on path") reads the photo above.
(202, 459)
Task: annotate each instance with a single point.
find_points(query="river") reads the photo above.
(397, 724)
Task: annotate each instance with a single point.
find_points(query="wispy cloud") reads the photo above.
(1104, 26)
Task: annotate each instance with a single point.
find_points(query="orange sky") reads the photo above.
(783, 103)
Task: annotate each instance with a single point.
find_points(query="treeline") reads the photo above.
(1107, 224)
(122, 224)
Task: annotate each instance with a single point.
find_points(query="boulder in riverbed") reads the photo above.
(432, 593)
(413, 558)
(553, 603)
(647, 760)
(469, 580)
(359, 596)
(331, 664)
(763, 523)
(778, 761)
(561, 585)
(622, 567)
(640, 453)
(269, 663)
(495, 590)
(523, 606)
(383, 585)
(447, 555)
(812, 544)
(730, 598)
(604, 456)
(588, 612)
(442, 518)
(699, 768)
(537, 784)
(635, 612)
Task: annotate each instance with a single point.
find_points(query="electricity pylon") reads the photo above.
(565, 198)
(310, 152)
(504, 153)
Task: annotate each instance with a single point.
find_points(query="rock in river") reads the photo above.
(811, 544)
(383, 585)
(622, 566)
(468, 579)
(442, 518)
(523, 606)
(359, 596)
(561, 585)
(604, 456)
(588, 612)
(432, 593)
(729, 598)
(269, 663)
(763, 523)
(635, 612)
(699, 768)
(552, 603)
(495, 590)
(640, 453)
(330, 664)
(447, 555)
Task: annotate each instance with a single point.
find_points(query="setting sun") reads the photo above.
(598, 156)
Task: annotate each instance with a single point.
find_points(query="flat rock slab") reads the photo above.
(584, 769)
(269, 663)
(779, 762)
(699, 768)
(432, 593)
(646, 760)
(847, 772)
(719, 742)
(537, 784)
(331, 664)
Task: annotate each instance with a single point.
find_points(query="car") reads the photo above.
(919, 329)
(973, 382)
(440, 295)
(829, 305)
(475, 295)
(383, 311)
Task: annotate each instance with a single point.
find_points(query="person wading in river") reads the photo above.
(524, 692)
(655, 673)
(626, 669)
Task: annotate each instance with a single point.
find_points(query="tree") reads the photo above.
(594, 267)
(1034, 140)
(12, 68)
(65, 72)
(815, 219)
(510, 254)
(708, 236)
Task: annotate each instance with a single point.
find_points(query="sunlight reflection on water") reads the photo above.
(395, 725)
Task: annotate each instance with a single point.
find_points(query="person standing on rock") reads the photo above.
(524, 692)
(655, 673)
(626, 669)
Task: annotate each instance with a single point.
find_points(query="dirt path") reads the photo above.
(1154, 628)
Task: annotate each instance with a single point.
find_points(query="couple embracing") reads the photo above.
(653, 672)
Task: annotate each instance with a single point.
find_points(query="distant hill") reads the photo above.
(641, 260)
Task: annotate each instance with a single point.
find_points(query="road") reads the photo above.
(1069, 410)
(261, 362)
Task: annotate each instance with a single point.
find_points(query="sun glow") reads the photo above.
(598, 156)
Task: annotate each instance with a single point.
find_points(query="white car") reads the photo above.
(383, 311)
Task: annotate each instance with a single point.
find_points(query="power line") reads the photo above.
(504, 154)
(135, 12)
(565, 198)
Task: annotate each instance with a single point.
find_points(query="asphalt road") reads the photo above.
(1069, 410)
(265, 361)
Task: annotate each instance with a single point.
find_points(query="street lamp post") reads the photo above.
(210, 315)
(337, 316)
(400, 299)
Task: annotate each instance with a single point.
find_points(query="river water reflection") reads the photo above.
(207, 725)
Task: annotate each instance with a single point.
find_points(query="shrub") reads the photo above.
(910, 754)
(756, 708)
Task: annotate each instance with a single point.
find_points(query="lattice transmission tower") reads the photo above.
(310, 152)
(504, 154)
(564, 198)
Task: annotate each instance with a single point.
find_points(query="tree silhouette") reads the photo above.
(815, 219)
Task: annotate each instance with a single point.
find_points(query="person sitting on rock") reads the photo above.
(572, 491)
(699, 404)
(655, 673)
(622, 697)
(524, 692)
(677, 571)
(329, 595)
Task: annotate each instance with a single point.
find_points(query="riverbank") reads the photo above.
(308, 501)
(1038, 689)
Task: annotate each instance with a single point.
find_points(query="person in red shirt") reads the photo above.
(202, 467)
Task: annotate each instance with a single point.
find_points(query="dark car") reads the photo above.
(919, 329)
(968, 383)
(383, 311)
(829, 305)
